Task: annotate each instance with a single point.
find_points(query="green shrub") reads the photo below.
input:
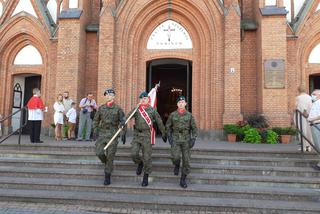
(272, 137)
(252, 136)
(231, 129)
(241, 134)
(285, 131)
(257, 121)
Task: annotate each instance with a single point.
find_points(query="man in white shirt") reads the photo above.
(314, 119)
(67, 101)
(304, 104)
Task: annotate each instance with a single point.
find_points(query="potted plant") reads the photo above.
(285, 133)
(252, 136)
(231, 130)
(257, 121)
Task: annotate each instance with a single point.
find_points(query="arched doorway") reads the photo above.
(175, 77)
(23, 84)
(314, 82)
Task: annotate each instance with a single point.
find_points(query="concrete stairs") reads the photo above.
(233, 179)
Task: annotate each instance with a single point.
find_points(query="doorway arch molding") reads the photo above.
(207, 39)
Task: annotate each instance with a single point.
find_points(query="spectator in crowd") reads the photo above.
(35, 115)
(72, 119)
(67, 101)
(58, 116)
(87, 106)
(314, 119)
(303, 104)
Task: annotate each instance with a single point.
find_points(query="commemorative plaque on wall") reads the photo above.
(274, 76)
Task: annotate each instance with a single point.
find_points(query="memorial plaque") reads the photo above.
(274, 76)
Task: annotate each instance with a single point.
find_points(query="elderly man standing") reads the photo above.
(304, 104)
(314, 119)
(67, 101)
(35, 115)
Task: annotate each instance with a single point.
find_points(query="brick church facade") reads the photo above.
(232, 58)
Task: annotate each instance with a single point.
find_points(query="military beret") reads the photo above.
(181, 98)
(109, 91)
(143, 94)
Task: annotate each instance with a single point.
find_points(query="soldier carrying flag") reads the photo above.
(143, 134)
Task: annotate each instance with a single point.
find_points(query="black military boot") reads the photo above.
(145, 180)
(176, 169)
(139, 168)
(107, 179)
(183, 182)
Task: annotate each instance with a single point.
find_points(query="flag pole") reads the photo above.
(120, 129)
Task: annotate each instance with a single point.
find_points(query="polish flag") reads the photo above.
(153, 103)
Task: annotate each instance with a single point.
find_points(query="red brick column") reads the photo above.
(232, 104)
(106, 48)
(272, 44)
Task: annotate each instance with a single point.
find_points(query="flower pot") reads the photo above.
(232, 137)
(285, 139)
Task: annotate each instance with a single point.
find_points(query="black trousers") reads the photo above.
(35, 129)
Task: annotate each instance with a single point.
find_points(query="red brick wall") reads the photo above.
(249, 73)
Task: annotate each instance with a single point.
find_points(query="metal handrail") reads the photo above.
(299, 115)
(21, 126)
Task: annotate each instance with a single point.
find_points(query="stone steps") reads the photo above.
(222, 179)
(164, 166)
(155, 202)
(89, 147)
(196, 178)
(160, 188)
(301, 161)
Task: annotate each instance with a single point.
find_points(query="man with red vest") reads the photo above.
(35, 115)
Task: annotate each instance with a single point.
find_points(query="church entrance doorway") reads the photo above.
(175, 77)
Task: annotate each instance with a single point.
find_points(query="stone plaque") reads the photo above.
(274, 76)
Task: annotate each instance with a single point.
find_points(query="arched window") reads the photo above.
(314, 56)
(28, 55)
(1, 9)
(271, 2)
(53, 7)
(73, 4)
(25, 5)
(169, 35)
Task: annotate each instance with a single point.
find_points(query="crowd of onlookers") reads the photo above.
(65, 117)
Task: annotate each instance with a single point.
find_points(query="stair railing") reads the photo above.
(298, 116)
(21, 124)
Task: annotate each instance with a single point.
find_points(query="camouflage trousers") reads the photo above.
(142, 142)
(106, 156)
(177, 149)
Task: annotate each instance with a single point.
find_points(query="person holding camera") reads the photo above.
(88, 106)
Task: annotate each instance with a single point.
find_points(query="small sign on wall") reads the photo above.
(274, 76)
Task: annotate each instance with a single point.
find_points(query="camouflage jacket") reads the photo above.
(142, 126)
(182, 127)
(108, 118)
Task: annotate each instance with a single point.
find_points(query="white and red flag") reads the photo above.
(153, 103)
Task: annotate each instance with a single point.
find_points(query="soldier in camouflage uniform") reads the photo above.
(142, 136)
(182, 133)
(106, 122)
